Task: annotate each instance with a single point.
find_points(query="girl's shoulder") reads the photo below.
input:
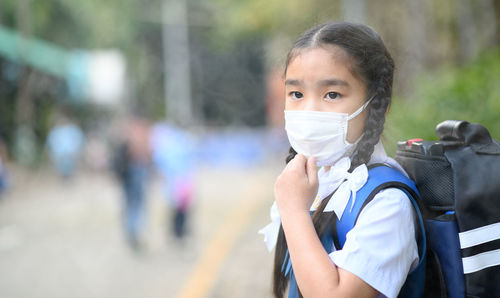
(392, 199)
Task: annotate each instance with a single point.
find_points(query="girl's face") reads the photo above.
(320, 79)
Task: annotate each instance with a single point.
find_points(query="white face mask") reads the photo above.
(320, 134)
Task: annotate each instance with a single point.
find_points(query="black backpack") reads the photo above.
(458, 178)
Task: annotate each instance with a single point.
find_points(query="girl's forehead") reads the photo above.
(335, 52)
(329, 59)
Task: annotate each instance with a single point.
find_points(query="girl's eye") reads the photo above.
(332, 96)
(296, 95)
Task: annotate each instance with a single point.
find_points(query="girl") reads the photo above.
(338, 79)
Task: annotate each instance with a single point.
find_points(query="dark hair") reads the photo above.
(372, 64)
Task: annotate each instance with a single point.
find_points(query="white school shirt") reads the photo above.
(381, 248)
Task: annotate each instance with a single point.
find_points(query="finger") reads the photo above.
(312, 170)
(300, 163)
(295, 160)
(299, 159)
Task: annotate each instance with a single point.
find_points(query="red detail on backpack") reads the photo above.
(410, 142)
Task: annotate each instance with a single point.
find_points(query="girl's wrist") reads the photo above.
(292, 205)
(294, 214)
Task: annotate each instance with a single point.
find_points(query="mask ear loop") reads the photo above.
(353, 115)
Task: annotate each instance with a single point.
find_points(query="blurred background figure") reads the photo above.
(65, 143)
(131, 164)
(173, 157)
(3, 167)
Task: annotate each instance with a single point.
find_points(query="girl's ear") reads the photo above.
(388, 108)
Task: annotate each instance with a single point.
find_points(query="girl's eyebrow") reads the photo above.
(322, 83)
(293, 82)
(333, 82)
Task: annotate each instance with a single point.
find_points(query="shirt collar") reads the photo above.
(325, 188)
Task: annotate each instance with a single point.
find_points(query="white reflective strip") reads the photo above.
(479, 235)
(481, 261)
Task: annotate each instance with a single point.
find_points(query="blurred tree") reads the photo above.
(234, 45)
(354, 10)
(421, 34)
(470, 92)
(86, 24)
(176, 57)
(476, 27)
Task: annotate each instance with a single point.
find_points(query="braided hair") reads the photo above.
(372, 64)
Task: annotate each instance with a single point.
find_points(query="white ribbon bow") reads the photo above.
(352, 182)
(271, 231)
(338, 177)
(331, 180)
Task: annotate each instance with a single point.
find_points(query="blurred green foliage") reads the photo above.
(242, 18)
(470, 92)
(235, 44)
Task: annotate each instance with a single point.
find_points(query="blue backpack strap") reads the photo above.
(293, 289)
(379, 178)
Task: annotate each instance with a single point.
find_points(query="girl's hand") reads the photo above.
(297, 185)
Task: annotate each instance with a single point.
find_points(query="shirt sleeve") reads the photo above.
(381, 248)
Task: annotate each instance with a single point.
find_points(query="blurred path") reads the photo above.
(65, 240)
